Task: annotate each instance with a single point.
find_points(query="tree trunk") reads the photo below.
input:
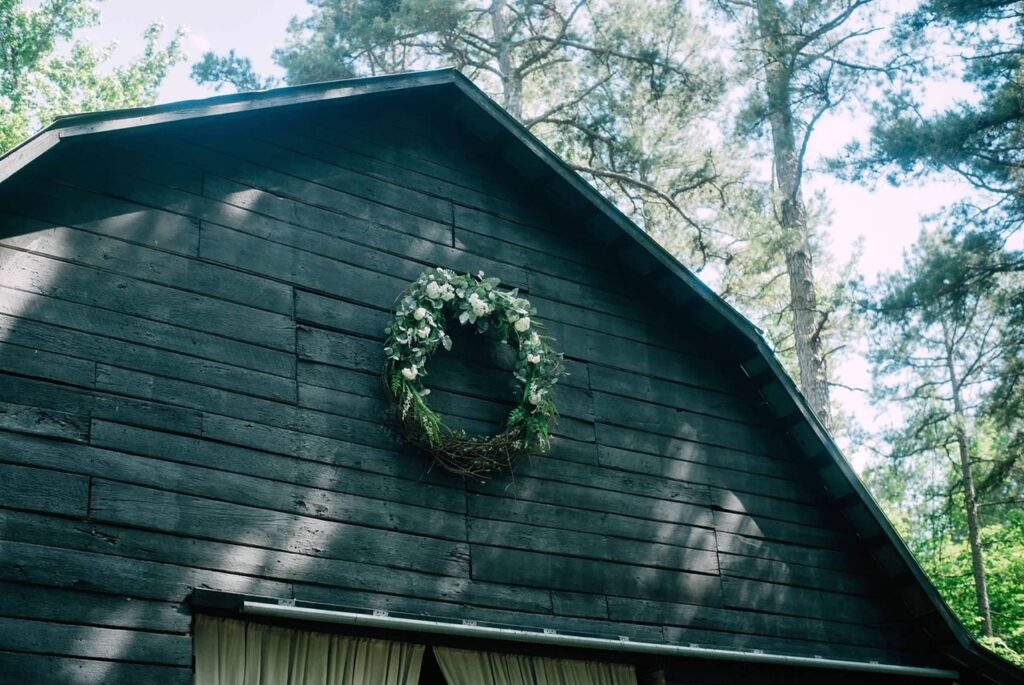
(511, 81)
(970, 493)
(788, 163)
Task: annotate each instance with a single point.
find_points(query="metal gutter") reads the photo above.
(381, 619)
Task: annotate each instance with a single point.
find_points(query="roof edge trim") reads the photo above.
(100, 122)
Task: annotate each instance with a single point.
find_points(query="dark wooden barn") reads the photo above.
(193, 432)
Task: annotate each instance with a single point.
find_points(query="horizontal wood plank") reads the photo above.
(43, 276)
(53, 366)
(272, 496)
(121, 257)
(566, 517)
(106, 573)
(530, 569)
(95, 348)
(61, 605)
(591, 546)
(49, 637)
(357, 471)
(192, 516)
(77, 208)
(124, 327)
(767, 597)
(23, 487)
(21, 418)
(62, 398)
(732, 621)
(178, 561)
(724, 400)
(40, 668)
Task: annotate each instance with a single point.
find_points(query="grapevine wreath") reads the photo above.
(422, 316)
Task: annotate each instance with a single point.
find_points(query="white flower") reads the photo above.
(479, 306)
(423, 332)
(523, 324)
(533, 358)
(419, 313)
(447, 292)
(433, 290)
(410, 372)
(534, 338)
(534, 398)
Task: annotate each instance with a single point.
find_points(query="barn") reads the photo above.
(200, 475)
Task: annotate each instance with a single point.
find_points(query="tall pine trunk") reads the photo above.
(511, 80)
(970, 493)
(807, 320)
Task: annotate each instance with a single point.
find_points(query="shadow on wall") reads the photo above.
(190, 399)
(153, 441)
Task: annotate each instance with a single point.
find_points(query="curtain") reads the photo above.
(464, 667)
(233, 652)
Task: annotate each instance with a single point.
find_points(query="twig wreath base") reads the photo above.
(422, 316)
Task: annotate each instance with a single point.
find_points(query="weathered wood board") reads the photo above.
(191, 324)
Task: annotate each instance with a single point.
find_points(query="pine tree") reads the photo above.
(627, 92)
(806, 60)
(940, 351)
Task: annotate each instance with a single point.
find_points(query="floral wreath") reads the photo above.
(422, 312)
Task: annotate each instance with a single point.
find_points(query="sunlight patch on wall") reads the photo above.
(19, 283)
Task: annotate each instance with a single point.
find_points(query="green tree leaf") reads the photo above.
(46, 72)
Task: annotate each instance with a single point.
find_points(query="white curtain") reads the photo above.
(232, 652)
(464, 667)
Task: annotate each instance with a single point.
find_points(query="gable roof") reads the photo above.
(605, 225)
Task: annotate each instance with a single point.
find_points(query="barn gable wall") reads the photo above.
(192, 320)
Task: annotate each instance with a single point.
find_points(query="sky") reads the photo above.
(883, 220)
(253, 27)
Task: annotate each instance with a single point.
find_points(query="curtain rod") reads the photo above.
(381, 619)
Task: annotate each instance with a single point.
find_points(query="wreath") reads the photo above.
(422, 316)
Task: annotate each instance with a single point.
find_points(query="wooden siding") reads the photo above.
(192, 321)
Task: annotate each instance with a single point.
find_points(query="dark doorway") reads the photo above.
(430, 672)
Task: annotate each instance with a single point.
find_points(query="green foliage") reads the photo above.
(230, 69)
(981, 44)
(626, 91)
(979, 139)
(755, 279)
(944, 338)
(956, 303)
(947, 560)
(343, 38)
(419, 326)
(45, 72)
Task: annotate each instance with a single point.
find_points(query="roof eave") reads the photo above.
(76, 125)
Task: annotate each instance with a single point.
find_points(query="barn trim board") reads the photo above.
(242, 606)
(452, 96)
